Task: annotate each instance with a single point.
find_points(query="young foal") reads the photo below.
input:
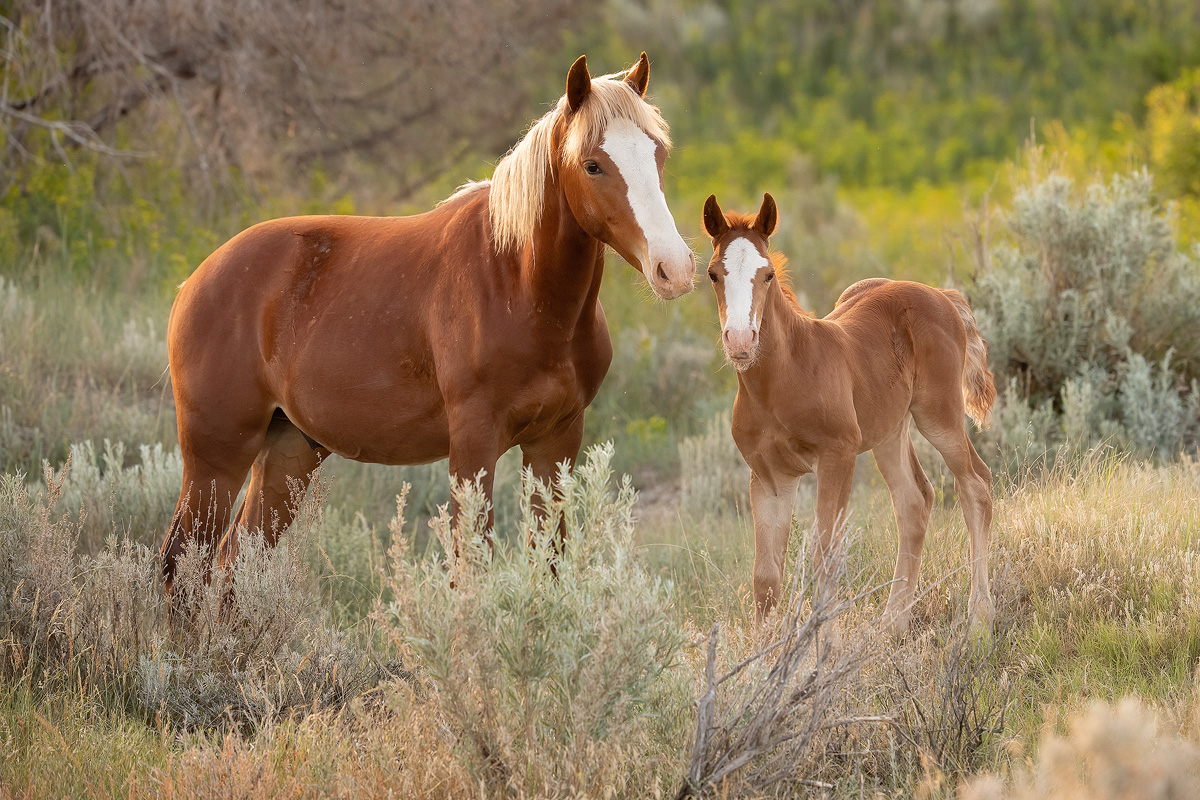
(814, 393)
(460, 332)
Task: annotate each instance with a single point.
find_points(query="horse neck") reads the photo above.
(562, 264)
(782, 336)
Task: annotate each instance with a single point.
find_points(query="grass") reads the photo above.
(1094, 570)
(351, 672)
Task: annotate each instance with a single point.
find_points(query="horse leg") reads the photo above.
(286, 457)
(973, 485)
(771, 505)
(835, 476)
(213, 473)
(474, 451)
(912, 502)
(542, 458)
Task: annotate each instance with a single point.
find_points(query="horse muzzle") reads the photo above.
(670, 275)
(741, 345)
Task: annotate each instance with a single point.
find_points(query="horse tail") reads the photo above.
(979, 390)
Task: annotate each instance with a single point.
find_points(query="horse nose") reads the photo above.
(674, 277)
(740, 342)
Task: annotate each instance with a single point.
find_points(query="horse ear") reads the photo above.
(639, 76)
(767, 217)
(579, 83)
(715, 223)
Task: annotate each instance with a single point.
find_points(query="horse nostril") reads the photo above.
(662, 273)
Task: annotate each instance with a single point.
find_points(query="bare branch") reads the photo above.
(277, 84)
(78, 132)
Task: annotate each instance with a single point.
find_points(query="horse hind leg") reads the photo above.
(283, 466)
(912, 502)
(973, 485)
(212, 477)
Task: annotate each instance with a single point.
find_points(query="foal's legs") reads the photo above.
(772, 510)
(835, 476)
(973, 485)
(285, 455)
(912, 501)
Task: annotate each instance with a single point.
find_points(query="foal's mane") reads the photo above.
(744, 222)
(518, 183)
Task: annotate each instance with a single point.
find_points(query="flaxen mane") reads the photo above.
(518, 183)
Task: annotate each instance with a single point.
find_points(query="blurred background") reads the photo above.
(974, 143)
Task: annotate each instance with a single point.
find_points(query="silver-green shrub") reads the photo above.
(114, 499)
(248, 643)
(1092, 318)
(552, 662)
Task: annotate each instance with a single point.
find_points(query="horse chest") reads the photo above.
(769, 445)
(548, 390)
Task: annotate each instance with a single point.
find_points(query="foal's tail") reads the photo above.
(979, 390)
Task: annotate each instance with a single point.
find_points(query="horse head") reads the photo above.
(741, 273)
(611, 171)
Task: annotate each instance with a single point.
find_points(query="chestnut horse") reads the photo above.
(815, 393)
(459, 332)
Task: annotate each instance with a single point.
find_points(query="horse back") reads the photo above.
(905, 339)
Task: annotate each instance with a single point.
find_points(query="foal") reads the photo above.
(814, 393)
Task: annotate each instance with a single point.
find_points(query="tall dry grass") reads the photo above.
(541, 672)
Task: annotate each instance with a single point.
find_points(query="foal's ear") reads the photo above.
(767, 217)
(579, 83)
(715, 223)
(639, 76)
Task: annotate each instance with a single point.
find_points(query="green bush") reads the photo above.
(551, 665)
(1092, 319)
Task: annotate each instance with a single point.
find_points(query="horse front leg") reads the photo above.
(474, 451)
(542, 457)
(771, 504)
(835, 476)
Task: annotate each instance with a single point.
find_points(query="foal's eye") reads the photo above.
(712, 276)
(770, 277)
(593, 168)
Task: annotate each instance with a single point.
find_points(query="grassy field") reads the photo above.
(584, 684)
(351, 667)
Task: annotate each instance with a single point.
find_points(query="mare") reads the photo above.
(815, 393)
(460, 332)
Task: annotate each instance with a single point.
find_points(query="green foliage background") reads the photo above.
(887, 132)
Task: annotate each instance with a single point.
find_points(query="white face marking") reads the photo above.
(742, 263)
(632, 150)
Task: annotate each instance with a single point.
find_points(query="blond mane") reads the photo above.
(519, 181)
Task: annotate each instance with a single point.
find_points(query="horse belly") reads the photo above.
(383, 424)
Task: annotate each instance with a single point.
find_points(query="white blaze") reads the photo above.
(742, 263)
(632, 150)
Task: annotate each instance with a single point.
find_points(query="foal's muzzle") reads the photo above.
(740, 344)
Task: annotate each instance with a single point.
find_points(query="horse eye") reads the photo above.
(593, 168)
(712, 276)
(770, 277)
